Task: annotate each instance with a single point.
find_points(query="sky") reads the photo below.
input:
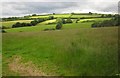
(26, 7)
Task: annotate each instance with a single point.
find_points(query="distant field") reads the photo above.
(41, 27)
(42, 16)
(65, 16)
(71, 52)
(10, 23)
(94, 19)
(80, 16)
(56, 16)
(62, 15)
(48, 21)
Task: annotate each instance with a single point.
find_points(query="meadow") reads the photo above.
(10, 23)
(75, 50)
(56, 16)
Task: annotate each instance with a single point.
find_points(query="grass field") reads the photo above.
(65, 16)
(10, 23)
(56, 16)
(80, 16)
(48, 21)
(41, 27)
(73, 52)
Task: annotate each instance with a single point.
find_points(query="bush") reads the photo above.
(34, 23)
(34, 15)
(69, 20)
(51, 17)
(18, 24)
(107, 23)
(59, 20)
(4, 27)
(59, 25)
(96, 24)
(63, 21)
(3, 31)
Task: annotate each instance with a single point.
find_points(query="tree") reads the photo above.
(77, 20)
(34, 23)
(51, 17)
(59, 26)
(63, 21)
(34, 15)
(90, 13)
(109, 15)
(3, 31)
(102, 15)
(59, 22)
(18, 24)
(72, 13)
(53, 13)
(69, 20)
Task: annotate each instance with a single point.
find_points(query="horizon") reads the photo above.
(12, 9)
(59, 13)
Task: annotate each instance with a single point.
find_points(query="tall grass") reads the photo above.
(74, 52)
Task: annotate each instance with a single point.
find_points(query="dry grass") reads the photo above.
(24, 69)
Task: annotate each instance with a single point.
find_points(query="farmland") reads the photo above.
(10, 23)
(75, 50)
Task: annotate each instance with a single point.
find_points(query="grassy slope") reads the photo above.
(10, 23)
(57, 15)
(66, 16)
(77, 49)
(79, 16)
(40, 27)
(48, 21)
(86, 51)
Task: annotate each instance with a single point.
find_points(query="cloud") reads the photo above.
(23, 8)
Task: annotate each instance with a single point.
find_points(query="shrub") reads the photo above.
(107, 23)
(4, 27)
(90, 13)
(34, 23)
(51, 17)
(63, 21)
(96, 24)
(59, 20)
(18, 24)
(3, 31)
(69, 20)
(59, 25)
(34, 15)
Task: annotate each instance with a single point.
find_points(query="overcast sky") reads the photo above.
(25, 7)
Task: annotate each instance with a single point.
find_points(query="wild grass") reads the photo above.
(72, 52)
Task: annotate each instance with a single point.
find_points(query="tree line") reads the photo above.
(32, 23)
(113, 22)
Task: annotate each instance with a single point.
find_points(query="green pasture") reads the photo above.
(56, 16)
(10, 23)
(67, 52)
(80, 16)
(40, 27)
